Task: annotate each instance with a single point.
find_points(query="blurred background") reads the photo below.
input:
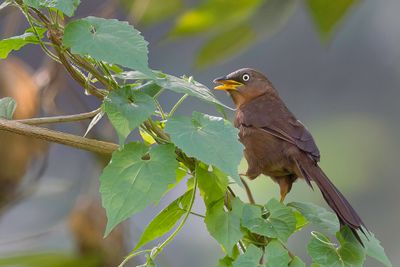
(335, 63)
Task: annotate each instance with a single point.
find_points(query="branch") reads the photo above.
(58, 137)
(77, 76)
(60, 119)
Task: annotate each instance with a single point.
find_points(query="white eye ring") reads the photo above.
(246, 77)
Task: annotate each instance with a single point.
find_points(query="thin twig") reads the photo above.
(44, 48)
(291, 255)
(41, 16)
(158, 93)
(109, 84)
(51, 15)
(248, 191)
(77, 76)
(58, 137)
(153, 135)
(151, 125)
(160, 109)
(131, 256)
(182, 223)
(107, 72)
(60, 119)
(177, 104)
(197, 214)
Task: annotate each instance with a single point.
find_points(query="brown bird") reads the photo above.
(277, 144)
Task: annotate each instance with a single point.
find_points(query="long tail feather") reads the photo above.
(334, 198)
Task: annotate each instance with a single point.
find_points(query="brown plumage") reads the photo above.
(277, 144)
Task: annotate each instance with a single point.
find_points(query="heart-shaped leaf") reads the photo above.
(109, 40)
(210, 139)
(136, 177)
(127, 109)
(67, 7)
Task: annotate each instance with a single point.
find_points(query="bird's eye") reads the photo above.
(245, 77)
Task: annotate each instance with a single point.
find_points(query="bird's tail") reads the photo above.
(335, 199)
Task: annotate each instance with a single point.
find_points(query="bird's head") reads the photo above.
(244, 85)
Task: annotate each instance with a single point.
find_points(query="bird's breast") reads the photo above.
(265, 152)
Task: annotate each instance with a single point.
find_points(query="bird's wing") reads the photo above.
(271, 115)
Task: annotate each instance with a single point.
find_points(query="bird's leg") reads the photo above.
(247, 188)
(283, 195)
(285, 185)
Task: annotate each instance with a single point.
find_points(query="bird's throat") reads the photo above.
(237, 97)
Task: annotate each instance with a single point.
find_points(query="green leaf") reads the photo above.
(209, 139)
(132, 75)
(127, 109)
(372, 245)
(272, 16)
(297, 262)
(147, 138)
(277, 255)
(17, 42)
(230, 40)
(301, 221)
(135, 177)
(225, 262)
(281, 222)
(114, 68)
(251, 258)
(223, 226)
(188, 86)
(224, 44)
(252, 220)
(149, 88)
(181, 173)
(7, 107)
(281, 218)
(375, 250)
(165, 220)
(214, 15)
(318, 216)
(351, 251)
(155, 10)
(109, 40)
(322, 251)
(327, 14)
(325, 253)
(68, 7)
(175, 84)
(212, 185)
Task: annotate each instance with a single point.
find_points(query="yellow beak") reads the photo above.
(227, 84)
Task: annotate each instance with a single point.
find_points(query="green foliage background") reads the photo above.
(202, 147)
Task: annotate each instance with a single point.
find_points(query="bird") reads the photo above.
(277, 144)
